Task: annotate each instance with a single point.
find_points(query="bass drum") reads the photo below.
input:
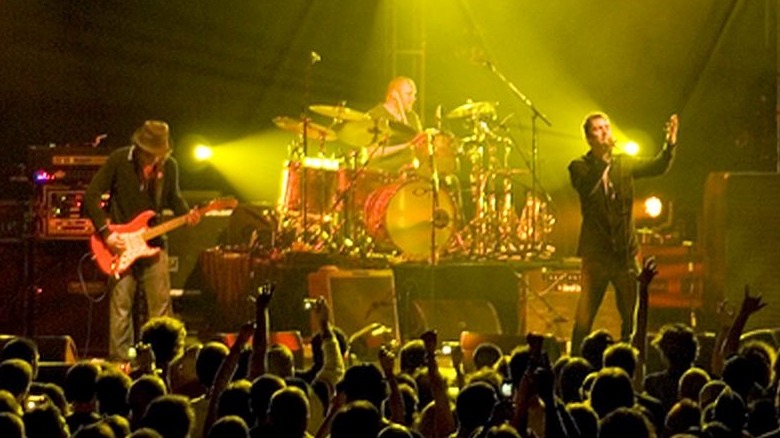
(398, 217)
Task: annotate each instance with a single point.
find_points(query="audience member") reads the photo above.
(15, 377)
(170, 415)
(80, 390)
(625, 422)
(142, 391)
(45, 421)
(679, 347)
(572, 377)
(229, 426)
(288, 413)
(166, 336)
(11, 425)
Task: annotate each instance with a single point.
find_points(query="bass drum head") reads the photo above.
(408, 219)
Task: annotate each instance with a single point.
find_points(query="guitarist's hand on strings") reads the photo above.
(115, 243)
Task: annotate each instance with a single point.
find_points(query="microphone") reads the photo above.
(315, 57)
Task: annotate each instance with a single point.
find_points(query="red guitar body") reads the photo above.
(133, 235)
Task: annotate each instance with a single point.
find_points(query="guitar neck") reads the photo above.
(164, 227)
(176, 222)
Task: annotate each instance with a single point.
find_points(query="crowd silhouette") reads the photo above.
(603, 388)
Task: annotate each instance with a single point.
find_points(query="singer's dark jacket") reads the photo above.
(129, 196)
(607, 222)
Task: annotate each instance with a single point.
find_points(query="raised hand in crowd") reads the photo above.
(750, 305)
(226, 371)
(444, 420)
(639, 336)
(725, 314)
(262, 297)
(395, 400)
(456, 355)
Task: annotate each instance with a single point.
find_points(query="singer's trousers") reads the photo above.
(597, 274)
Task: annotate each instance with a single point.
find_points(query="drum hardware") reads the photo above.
(297, 175)
(535, 115)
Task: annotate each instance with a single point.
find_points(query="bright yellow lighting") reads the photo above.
(631, 148)
(653, 206)
(203, 152)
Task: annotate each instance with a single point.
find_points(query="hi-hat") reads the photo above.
(366, 132)
(339, 112)
(313, 130)
(473, 109)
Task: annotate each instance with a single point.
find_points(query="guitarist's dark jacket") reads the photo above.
(120, 178)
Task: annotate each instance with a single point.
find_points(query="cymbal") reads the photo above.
(339, 112)
(313, 130)
(365, 132)
(472, 109)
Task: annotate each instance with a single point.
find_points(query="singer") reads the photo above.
(604, 181)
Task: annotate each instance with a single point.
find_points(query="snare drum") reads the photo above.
(321, 186)
(398, 217)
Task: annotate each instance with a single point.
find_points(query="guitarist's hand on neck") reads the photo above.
(193, 217)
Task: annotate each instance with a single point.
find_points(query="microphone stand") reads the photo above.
(535, 114)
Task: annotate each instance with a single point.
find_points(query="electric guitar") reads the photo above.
(136, 233)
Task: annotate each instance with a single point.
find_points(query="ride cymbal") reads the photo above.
(473, 109)
(339, 112)
(313, 130)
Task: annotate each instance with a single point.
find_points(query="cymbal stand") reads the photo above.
(481, 226)
(437, 217)
(350, 227)
(305, 144)
(535, 115)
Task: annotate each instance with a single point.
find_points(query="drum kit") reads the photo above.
(455, 200)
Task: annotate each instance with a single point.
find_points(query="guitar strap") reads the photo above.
(158, 188)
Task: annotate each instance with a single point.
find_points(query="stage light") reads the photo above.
(203, 152)
(652, 212)
(631, 148)
(654, 207)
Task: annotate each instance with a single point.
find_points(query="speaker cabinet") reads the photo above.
(358, 298)
(15, 302)
(742, 242)
(496, 283)
(452, 317)
(57, 349)
(71, 297)
(554, 313)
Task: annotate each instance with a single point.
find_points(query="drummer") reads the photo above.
(398, 109)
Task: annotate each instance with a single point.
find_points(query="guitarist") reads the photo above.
(139, 177)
